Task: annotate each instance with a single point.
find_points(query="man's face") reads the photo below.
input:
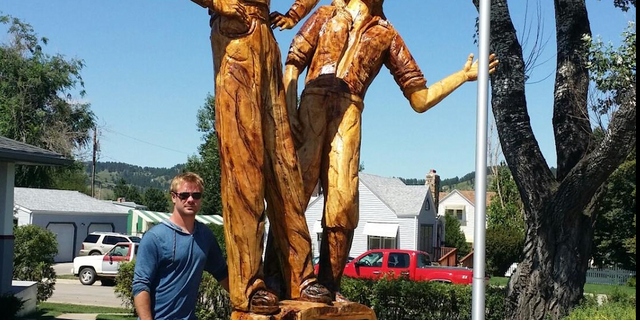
(184, 198)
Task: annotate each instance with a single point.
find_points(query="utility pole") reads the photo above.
(93, 168)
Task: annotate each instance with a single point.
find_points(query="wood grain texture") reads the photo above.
(299, 310)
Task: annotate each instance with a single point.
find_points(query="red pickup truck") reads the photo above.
(414, 265)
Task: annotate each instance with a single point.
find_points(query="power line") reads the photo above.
(146, 142)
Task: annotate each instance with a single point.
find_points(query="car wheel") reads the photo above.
(87, 276)
(95, 253)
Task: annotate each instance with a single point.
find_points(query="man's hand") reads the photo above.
(279, 20)
(471, 68)
(230, 9)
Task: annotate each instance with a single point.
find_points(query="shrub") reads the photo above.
(632, 282)
(33, 255)
(617, 311)
(213, 301)
(410, 300)
(10, 306)
(124, 284)
(504, 247)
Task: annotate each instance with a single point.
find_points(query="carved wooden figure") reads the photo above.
(344, 48)
(258, 158)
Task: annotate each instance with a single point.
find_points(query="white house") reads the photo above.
(462, 205)
(392, 215)
(71, 215)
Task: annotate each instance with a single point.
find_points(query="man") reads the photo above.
(257, 153)
(172, 256)
(344, 48)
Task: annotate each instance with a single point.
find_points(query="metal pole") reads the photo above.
(478, 301)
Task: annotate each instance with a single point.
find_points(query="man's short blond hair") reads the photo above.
(186, 177)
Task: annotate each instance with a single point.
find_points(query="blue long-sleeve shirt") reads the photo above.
(169, 266)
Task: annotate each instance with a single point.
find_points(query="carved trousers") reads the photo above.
(257, 159)
(330, 152)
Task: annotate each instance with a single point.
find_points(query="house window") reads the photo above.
(458, 213)
(427, 205)
(319, 240)
(376, 242)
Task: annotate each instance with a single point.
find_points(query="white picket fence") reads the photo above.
(607, 275)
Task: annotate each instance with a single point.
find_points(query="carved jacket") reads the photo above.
(330, 46)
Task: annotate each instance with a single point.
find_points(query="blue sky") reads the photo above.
(149, 69)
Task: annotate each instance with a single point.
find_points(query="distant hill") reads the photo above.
(109, 173)
(467, 182)
(464, 183)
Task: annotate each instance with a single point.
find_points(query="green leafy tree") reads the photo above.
(505, 232)
(126, 191)
(550, 279)
(615, 228)
(36, 102)
(454, 237)
(155, 200)
(207, 163)
(34, 251)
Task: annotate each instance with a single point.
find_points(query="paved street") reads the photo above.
(73, 292)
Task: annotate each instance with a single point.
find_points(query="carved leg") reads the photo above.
(285, 191)
(238, 105)
(340, 180)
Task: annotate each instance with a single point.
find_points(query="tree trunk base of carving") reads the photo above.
(301, 310)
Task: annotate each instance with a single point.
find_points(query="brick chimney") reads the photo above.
(433, 182)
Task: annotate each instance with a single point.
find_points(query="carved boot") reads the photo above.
(264, 302)
(312, 291)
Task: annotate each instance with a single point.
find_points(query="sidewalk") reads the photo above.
(78, 316)
(85, 316)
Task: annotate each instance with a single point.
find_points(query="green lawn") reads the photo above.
(48, 310)
(588, 288)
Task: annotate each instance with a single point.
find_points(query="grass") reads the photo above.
(48, 310)
(588, 288)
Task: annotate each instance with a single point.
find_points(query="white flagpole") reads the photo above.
(478, 301)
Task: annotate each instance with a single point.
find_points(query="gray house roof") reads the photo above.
(404, 200)
(63, 201)
(22, 153)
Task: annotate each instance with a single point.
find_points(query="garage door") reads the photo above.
(97, 227)
(65, 232)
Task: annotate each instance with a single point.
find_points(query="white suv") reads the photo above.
(99, 243)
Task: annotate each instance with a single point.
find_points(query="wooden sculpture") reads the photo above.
(257, 154)
(344, 48)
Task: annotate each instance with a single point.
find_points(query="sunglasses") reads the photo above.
(185, 195)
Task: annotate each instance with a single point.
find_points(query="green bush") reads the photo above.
(10, 306)
(632, 282)
(613, 311)
(410, 300)
(33, 255)
(213, 301)
(504, 247)
(124, 284)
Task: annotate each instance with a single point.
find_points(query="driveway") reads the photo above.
(73, 292)
(63, 268)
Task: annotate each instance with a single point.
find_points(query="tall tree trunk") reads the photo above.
(570, 113)
(550, 279)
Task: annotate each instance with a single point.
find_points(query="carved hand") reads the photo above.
(471, 67)
(230, 9)
(279, 20)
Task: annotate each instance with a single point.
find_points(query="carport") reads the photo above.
(12, 153)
